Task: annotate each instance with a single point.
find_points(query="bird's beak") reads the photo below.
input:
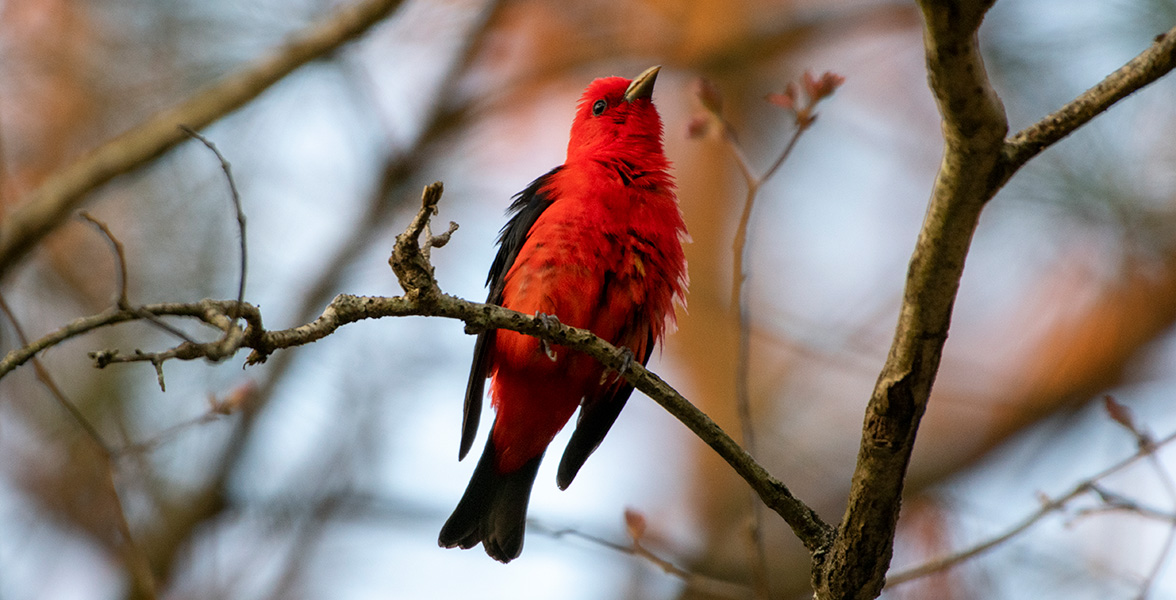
(642, 86)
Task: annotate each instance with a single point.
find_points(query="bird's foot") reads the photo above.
(627, 357)
(547, 323)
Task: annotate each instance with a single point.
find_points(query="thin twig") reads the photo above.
(694, 581)
(816, 89)
(1123, 415)
(1047, 507)
(743, 360)
(236, 196)
(5, 173)
(302, 548)
(135, 556)
(1148, 66)
(156, 440)
(211, 312)
(409, 260)
(403, 159)
(1169, 486)
(1132, 507)
(122, 301)
(47, 381)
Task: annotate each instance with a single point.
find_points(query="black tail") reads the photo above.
(493, 509)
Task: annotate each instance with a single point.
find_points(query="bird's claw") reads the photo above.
(547, 323)
(627, 357)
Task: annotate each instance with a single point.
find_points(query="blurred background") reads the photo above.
(336, 466)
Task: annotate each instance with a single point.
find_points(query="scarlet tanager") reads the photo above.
(596, 243)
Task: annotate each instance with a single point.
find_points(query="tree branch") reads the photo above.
(1150, 65)
(706, 586)
(236, 197)
(62, 192)
(427, 300)
(974, 126)
(1048, 506)
(976, 163)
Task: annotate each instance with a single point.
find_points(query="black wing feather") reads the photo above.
(525, 210)
(596, 418)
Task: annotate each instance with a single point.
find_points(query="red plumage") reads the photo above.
(597, 243)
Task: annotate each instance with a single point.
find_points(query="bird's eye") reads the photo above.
(598, 107)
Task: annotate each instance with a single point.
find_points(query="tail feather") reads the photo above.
(493, 509)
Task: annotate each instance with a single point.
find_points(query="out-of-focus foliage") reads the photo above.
(332, 475)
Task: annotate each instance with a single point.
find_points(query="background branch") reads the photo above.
(122, 299)
(203, 508)
(802, 109)
(137, 563)
(62, 192)
(710, 586)
(1048, 507)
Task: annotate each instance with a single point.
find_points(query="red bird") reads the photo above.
(596, 243)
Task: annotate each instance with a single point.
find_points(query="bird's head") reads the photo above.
(616, 119)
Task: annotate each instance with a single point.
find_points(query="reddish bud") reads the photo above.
(786, 100)
(635, 522)
(818, 88)
(237, 398)
(699, 126)
(1120, 414)
(709, 95)
(809, 83)
(1123, 416)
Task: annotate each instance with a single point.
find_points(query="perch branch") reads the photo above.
(427, 300)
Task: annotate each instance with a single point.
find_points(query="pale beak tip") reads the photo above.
(642, 85)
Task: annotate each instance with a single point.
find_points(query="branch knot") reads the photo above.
(410, 260)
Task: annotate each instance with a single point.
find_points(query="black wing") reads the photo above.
(596, 418)
(525, 210)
